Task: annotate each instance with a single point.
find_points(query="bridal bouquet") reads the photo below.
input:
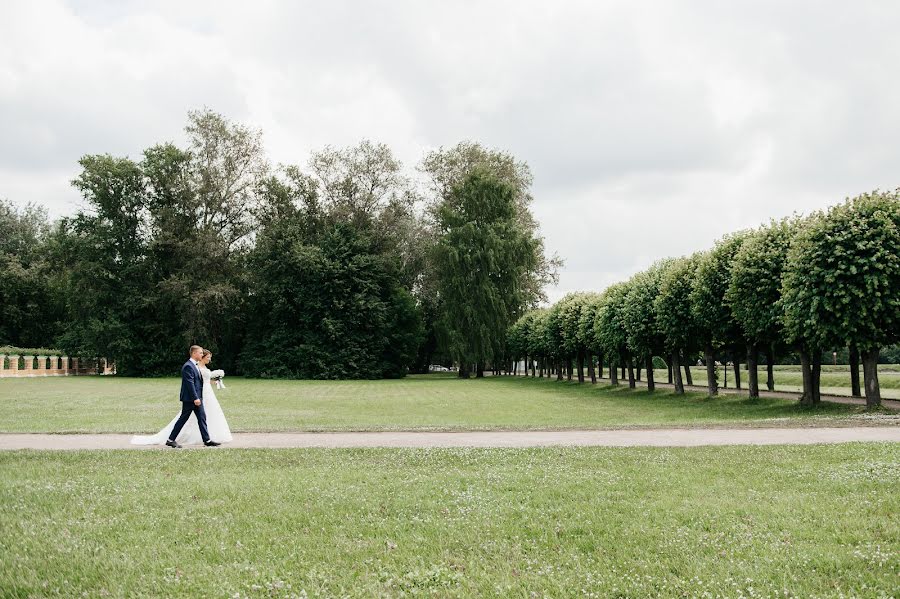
(217, 376)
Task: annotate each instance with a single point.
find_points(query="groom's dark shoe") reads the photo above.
(211, 444)
(172, 443)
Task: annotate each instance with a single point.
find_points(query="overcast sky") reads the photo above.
(652, 128)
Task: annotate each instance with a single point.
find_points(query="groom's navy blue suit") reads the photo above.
(191, 389)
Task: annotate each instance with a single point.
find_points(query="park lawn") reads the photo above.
(797, 521)
(430, 402)
(834, 379)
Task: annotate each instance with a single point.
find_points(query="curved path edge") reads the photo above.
(583, 438)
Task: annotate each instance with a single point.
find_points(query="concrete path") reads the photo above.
(605, 438)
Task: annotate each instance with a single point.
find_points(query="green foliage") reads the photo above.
(609, 323)
(713, 318)
(842, 275)
(327, 305)
(673, 306)
(481, 255)
(754, 292)
(644, 336)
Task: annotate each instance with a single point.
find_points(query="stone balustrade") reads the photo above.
(15, 365)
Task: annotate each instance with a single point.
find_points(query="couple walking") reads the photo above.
(197, 398)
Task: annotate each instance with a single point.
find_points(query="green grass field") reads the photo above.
(835, 379)
(431, 402)
(802, 521)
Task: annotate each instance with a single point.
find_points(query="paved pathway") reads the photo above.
(668, 437)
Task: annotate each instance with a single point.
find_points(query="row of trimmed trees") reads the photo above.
(799, 286)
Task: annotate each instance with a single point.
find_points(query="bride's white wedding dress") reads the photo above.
(190, 433)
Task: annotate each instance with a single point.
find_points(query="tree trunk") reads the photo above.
(770, 368)
(817, 376)
(737, 371)
(752, 374)
(569, 368)
(613, 373)
(464, 371)
(623, 372)
(479, 370)
(580, 365)
(600, 365)
(870, 373)
(711, 382)
(687, 372)
(638, 368)
(651, 384)
(559, 370)
(591, 371)
(811, 367)
(854, 371)
(676, 372)
(670, 367)
(629, 362)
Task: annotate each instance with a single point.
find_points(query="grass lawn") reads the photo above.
(798, 521)
(431, 402)
(835, 379)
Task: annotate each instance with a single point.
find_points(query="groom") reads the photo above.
(191, 402)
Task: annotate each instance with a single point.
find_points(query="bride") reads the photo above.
(215, 417)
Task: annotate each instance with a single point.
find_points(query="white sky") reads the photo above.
(652, 128)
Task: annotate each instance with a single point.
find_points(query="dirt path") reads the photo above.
(669, 437)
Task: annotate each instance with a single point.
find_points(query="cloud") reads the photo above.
(652, 128)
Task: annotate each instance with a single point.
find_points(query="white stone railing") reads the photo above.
(17, 365)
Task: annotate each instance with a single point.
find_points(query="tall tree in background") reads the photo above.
(108, 286)
(842, 278)
(716, 326)
(609, 328)
(482, 256)
(675, 315)
(754, 294)
(644, 335)
(30, 304)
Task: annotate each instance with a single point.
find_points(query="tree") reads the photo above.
(841, 280)
(107, 278)
(644, 335)
(481, 256)
(609, 327)
(716, 326)
(675, 316)
(30, 307)
(328, 304)
(754, 293)
(447, 168)
(587, 337)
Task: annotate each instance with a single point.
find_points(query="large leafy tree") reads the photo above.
(841, 280)
(30, 310)
(644, 335)
(327, 304)
(675, 317)
(104, 250)
(754, 294)
(716, 326)
(609, 327)
(481, 255)
(586, 331)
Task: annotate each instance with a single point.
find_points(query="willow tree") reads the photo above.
(754, 294)
(842, 278)
(641, 326)
(675, 316)
(481, 255)
(716, 325)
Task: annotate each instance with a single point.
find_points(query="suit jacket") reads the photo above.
(191, 382)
